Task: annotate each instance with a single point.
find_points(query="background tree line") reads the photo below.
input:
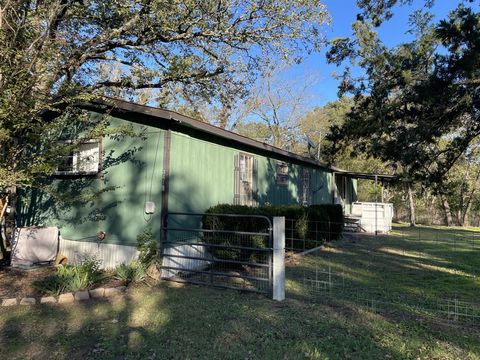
(182, 54)
(412, 111)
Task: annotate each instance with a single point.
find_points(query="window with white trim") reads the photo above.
(84, 160)
(245, 180)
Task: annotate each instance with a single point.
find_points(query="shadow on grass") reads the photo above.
(400, 273)
(194, 322)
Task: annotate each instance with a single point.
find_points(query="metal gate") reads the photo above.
(221, 250)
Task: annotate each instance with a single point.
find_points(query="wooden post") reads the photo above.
(382, 198)
(279, 258)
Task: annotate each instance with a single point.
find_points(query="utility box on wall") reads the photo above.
(149, 207)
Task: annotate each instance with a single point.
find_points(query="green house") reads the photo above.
(117, 187)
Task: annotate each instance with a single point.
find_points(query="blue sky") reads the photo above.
(343, 13)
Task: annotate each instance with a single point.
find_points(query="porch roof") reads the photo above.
(368, 176)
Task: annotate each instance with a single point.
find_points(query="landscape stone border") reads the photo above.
(67, 298)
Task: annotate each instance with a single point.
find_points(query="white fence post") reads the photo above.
(279, 258)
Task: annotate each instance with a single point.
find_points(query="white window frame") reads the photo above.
(246, 163)
(77, 157)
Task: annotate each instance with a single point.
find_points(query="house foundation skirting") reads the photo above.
(111, 255)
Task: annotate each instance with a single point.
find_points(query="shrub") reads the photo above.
(311, 223)
(71, 277)
(147, 247)
(330, 220)
(329, 216)
(238, 224)
(134, 272)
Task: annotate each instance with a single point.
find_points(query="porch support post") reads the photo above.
(279, 258)
(382, 184)
(334, 188)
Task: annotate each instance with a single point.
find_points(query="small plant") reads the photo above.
(72, 277)
(301, 226)
(147, 247)
(135, 272)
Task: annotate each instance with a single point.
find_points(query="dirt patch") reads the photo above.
(108, 280)
(19, 283)
(292, 259)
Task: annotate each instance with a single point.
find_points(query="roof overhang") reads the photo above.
(117, 107)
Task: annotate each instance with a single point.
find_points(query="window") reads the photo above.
(82, 161)
(282, 173)
(245, 168)
(306, 199)
(245, 180)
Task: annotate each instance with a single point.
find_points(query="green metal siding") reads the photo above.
(273, 193)
(112, 202)
(201, 175)
(351, 193)
(321, 187)
(137, 178)
(347, 190)
(354, 190)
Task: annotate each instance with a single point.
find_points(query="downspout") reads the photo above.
(167, 140)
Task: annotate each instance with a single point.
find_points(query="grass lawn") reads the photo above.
(418, 266)
(191, 322)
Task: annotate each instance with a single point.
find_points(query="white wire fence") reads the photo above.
(326, 286)
(418, 273)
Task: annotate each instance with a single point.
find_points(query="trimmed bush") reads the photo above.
(237, 224)
(310, 223)
(330, 219)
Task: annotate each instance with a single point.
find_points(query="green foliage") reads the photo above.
(301, 225)
(71, 277)
(316, 222)
(324, 213)
(134, 272)
(316, 124)
(147, 246)
(55, 55)
(420, 97)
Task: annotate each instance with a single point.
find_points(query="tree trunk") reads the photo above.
(467, 206)
(446, 210)
(411, 203)
(464, 219)
(3, 230)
